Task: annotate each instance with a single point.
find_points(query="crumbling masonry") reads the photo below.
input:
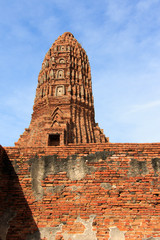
(64, 180)
(63, 110)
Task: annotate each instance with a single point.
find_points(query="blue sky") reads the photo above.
(122, 41)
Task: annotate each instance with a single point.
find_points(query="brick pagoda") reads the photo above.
(63, 110)
(86, 188)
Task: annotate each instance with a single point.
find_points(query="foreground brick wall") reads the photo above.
(90, 191)
(16, 221)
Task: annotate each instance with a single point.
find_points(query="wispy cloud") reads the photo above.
(144, 5)
(143, 107)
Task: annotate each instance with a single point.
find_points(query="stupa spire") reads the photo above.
(63, 110)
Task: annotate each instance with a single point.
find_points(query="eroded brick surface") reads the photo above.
(119, 186)
(16, 219)
(63, 180)
(63, 110)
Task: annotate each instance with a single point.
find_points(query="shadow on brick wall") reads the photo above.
(16, 221)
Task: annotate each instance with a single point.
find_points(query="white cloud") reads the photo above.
(48, 27)
(144, 5)
(118, 11)
(143, 107)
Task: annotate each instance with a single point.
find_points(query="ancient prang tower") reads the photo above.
(63, 179)
(63, 110)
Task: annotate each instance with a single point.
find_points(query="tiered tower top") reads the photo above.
(63, 110)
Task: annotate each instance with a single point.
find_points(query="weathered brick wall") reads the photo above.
(16, 220)
(91, 191)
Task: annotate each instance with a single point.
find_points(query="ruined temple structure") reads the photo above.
(63, 110)
(63, 179)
